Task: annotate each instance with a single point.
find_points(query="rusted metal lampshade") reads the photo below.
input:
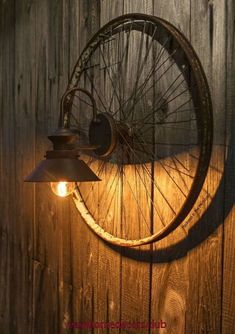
(62, 164)
(56, 170)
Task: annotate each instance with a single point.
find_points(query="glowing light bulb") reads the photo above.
(63, 188)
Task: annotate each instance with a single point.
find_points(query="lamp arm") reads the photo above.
(63, 122)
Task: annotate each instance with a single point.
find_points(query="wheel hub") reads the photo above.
(103, 133)
(106, 133)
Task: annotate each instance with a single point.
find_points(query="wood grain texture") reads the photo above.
(205, 261)
(7, 156)
(109, 261)
(16, 225)
(228, 306)
(46, 232)
(53, 269)
(170, 275)
(135, 275)
(51, 253)
(24, 132)
(84, 245)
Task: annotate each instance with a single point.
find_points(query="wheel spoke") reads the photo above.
(152, 71)
(142, 93)
(110, 77)
(140, 73)
(119, 71)
(98, 95)
(87, 103)
(134, 153)
(139, 207)
(140, 68)
(168, 173)
(112, 196)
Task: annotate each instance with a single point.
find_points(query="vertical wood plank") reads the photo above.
(22, 228)
(7, 157)
(228, 305)
(76, 230)
(205, 261)
(61, 38)
(108, 298)
(170, 272)
(135, 275)
(52, 251)
(84, 243)
(47, 242)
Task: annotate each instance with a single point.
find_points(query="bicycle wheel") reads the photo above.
(155, 131)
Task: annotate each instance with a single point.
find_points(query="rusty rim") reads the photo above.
(167, 38)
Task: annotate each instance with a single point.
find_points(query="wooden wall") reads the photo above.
(53, 269)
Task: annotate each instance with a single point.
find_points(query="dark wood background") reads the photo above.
(53, 269)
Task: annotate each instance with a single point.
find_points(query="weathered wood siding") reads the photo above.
(53, 269)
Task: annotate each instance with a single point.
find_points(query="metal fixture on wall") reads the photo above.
(62, 166)
(150, 138)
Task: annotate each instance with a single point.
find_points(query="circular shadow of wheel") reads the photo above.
(208, 214)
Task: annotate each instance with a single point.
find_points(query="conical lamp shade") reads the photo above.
(57, 170)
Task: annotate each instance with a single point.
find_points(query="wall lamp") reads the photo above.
(152, 132)
(62, 167)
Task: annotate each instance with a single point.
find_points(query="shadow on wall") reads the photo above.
(214, 216)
